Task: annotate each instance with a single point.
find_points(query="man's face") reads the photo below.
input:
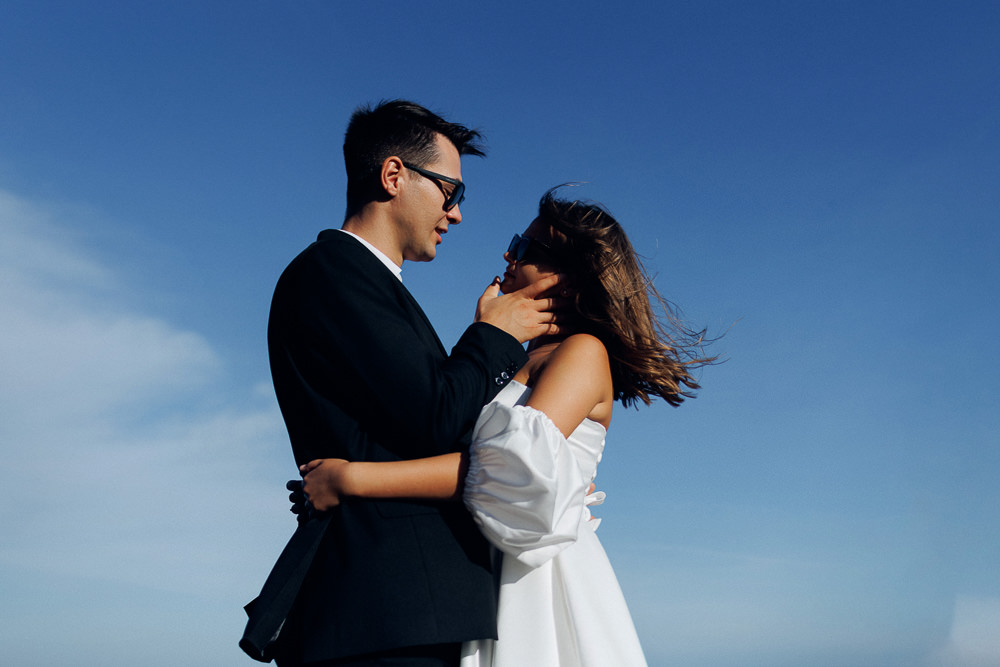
(422, 220)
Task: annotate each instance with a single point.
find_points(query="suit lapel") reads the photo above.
(385, 278)
(427, 330)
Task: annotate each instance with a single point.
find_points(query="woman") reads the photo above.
(527, 478)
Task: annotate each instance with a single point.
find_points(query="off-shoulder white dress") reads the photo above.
(560, 603)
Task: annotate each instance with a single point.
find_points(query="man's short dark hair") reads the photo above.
(400, 128)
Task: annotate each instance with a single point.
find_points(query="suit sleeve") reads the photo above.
(367, 371)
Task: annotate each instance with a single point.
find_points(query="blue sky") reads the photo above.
(818, 181)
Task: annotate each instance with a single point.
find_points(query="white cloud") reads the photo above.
(41, 251)
(128, 460)
(974, 640)
(71, 349)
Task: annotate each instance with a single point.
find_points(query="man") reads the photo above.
(360, 374)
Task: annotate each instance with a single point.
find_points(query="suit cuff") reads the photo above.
(504, 356)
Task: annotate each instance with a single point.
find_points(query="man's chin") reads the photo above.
(425, 256)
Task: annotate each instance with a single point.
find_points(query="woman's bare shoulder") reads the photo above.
(575, 383)
(582, 347)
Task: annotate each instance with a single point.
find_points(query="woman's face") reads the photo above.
(521, 274)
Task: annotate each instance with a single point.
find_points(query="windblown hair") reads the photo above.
(650, 356)
(400, 128)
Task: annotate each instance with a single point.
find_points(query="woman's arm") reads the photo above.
(325, 481)
(575, 384)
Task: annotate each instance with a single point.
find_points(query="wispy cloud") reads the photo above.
(974, 640)
(128, 459)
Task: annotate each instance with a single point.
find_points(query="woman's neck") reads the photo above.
(544, 342)
(538, 352)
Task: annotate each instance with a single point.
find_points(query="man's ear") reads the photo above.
(391, 175)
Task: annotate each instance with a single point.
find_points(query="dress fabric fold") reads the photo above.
(560, 602)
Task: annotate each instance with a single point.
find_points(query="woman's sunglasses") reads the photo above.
(525, 249)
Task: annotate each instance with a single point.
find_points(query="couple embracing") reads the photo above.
(392, 433)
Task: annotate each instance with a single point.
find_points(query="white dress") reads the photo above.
(560, 603)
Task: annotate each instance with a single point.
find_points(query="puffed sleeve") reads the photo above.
(524, 487)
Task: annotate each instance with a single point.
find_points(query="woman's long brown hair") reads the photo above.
(650, 356)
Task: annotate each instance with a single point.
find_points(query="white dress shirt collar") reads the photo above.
(382, 257)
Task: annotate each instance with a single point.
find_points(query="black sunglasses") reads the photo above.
(525, 249)
(451, 199)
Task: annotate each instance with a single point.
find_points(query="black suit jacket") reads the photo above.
(360, 374)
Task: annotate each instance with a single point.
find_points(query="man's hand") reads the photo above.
(525, 314)
(300, 504)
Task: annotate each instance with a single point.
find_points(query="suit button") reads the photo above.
(505, 375)
(499, 382)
